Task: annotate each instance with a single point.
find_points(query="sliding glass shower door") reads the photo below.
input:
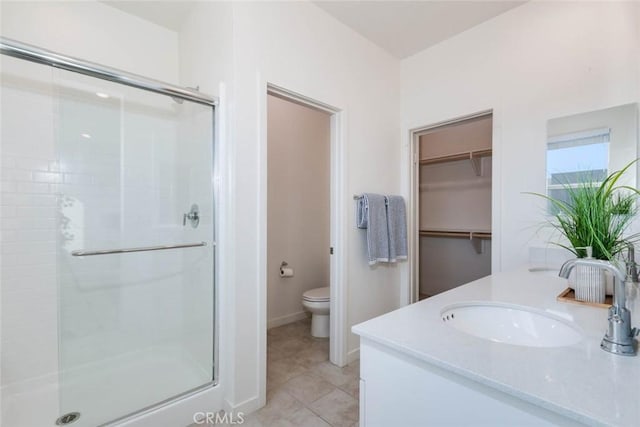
(135, 247)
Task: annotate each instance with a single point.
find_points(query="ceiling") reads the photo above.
(402, 28)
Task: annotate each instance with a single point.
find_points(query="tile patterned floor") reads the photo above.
(304, 389)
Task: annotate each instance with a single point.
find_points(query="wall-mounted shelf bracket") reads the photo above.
(476, 159)
(477, 244)
(477, 240)
(476, 164)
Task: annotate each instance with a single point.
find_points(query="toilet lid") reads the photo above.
(317, 294)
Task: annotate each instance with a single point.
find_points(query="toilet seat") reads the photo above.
(317, 295)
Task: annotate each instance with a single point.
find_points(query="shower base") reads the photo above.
(102, 392)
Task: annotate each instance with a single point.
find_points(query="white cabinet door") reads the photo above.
(398, 390)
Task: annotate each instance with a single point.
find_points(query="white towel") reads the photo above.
(372, 215)
(397, 228)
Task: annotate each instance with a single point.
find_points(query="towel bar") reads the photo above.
(360, 196)
(140, 249)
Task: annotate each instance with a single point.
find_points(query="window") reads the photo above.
(576, 158)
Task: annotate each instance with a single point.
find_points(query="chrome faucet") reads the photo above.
(620, 337)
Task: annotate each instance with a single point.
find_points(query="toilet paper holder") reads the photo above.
(284, 271)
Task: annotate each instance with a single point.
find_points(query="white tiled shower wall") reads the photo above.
(30, 174)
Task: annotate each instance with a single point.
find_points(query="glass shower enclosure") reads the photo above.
(119, 180)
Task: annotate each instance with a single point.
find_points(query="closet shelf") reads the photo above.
(456, 156)
(474, 156)
(475, 237)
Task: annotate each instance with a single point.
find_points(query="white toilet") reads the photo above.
(316, 301)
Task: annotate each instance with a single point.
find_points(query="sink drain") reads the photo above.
(68, 418)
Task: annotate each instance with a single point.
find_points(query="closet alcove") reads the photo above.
(454, 208)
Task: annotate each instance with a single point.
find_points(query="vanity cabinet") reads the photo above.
(419, 371)
(454, 204)
(397, 389)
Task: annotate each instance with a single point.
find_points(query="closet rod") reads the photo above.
(456, 233)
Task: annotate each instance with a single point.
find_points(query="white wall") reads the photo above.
(298, 211)
(206, 48)
(535, 62)
(297, 46)
(94, 32)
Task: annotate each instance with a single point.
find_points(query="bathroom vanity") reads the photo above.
(421, 365)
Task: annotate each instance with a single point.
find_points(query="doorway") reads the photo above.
(452, 204)
(337, 224)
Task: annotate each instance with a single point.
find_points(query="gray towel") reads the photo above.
(361, 212)
(372, 215)
(397, 223)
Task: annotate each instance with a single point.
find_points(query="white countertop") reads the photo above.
(580, 381)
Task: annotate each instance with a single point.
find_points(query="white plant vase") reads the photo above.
(590, 284)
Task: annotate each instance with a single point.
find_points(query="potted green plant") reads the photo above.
(595, 215)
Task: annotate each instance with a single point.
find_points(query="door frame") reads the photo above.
(338, 220)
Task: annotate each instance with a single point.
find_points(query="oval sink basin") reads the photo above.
(511, 324)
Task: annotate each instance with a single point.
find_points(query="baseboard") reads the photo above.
(353, 355)
(283, 320)
(248, 406)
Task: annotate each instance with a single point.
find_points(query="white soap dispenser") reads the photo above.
(590, 284)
